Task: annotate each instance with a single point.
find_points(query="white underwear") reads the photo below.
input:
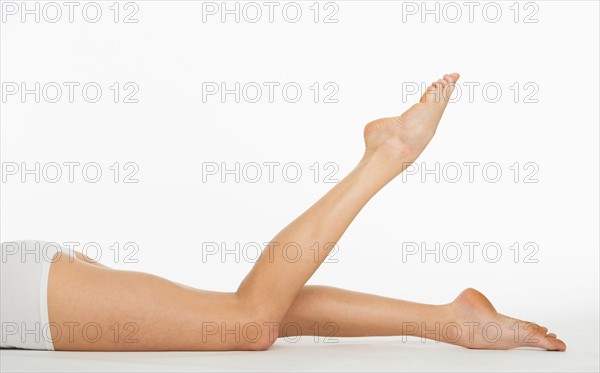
(24, 270)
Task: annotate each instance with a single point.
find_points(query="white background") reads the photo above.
(370, 54)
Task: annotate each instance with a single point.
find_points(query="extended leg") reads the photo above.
(470, 320)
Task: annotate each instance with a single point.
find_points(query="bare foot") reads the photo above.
(480, 326)
(403, 138)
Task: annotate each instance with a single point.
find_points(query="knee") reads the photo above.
(259, 333)
(261, 344)
(253, 336)
(259, 328)
(240, 333)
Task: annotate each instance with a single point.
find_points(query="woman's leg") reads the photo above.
(138, 311)
(391, 145)
(470, 320)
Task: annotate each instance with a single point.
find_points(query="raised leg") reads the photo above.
(391, 145)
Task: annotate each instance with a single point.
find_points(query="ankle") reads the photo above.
(387, 159)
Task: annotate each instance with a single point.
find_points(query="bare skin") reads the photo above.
(136, 311)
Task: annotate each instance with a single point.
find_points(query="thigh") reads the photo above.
(96, 308)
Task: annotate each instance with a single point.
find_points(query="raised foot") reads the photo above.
(480, 326)
(403, 138)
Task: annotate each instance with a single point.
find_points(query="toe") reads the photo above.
(430, 94)
(552, 344)
(439, 91)
(453, 77)
(557, 344)
(448, 85)
(551, 335)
